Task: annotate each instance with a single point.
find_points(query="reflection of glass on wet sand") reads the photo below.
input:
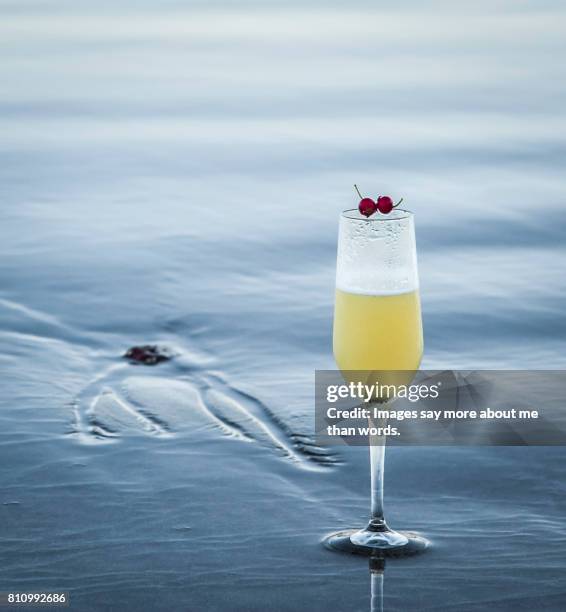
(377, 578)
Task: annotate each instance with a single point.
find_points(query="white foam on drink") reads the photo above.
(377, 256)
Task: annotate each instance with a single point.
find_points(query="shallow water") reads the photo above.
(173, 174)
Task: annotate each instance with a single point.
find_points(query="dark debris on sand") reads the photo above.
(148, 354)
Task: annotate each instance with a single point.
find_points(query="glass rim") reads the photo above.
(347, 214)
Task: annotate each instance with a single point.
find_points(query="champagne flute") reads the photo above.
(377, 330)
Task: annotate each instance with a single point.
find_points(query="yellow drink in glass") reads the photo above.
(377, 332)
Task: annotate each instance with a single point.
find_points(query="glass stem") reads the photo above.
(377, 456)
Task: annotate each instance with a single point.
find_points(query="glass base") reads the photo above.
(385, 538)
(386, 542)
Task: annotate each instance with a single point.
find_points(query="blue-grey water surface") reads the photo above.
(172, 172)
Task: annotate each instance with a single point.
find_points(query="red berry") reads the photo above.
(367, 207)
(384, 204)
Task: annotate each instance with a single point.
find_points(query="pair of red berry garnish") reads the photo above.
(384, 204)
